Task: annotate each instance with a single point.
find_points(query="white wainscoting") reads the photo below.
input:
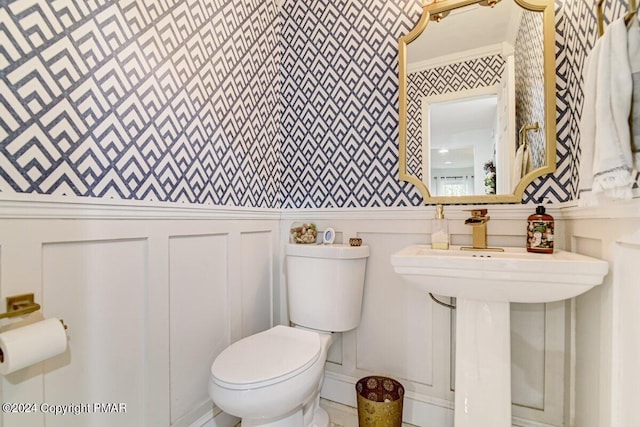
(625, 392)
(405, 335)
(606, 342)
(151, 294)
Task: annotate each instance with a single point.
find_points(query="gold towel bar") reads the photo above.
(19, 305)
(522, 133)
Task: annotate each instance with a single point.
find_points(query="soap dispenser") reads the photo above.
(439, 230)
(540, 231)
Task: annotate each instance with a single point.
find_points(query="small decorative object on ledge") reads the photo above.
(328, 236)
(303, 233)
(355, 241)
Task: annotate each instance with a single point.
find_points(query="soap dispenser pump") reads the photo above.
(540, 231)
(439, 230)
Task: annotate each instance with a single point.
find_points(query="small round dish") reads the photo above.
(355, 241)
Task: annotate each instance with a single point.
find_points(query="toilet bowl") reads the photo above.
(274, 378)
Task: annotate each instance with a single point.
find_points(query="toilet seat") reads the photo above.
(266, 358)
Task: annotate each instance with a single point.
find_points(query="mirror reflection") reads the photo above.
(476, 112)
(459, 145)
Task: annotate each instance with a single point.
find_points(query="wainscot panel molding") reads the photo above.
(122, 272)
(606, 331)
(151, 294)
(403, 334)
(24, 206)
(626, 330)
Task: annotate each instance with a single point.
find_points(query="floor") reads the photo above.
(341, 415)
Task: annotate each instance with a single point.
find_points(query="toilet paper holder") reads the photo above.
(19, 305)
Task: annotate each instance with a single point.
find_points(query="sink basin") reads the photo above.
(514, 275)
(484, 284)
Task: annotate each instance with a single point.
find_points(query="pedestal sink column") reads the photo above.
(483, 364)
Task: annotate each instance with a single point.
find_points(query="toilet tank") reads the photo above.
(325, 285)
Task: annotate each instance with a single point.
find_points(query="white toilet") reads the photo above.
(274, 378)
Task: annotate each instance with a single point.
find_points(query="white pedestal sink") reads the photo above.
(484, 283)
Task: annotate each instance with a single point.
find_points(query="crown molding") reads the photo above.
(503, 49)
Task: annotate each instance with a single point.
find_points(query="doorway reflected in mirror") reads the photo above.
(460, 138)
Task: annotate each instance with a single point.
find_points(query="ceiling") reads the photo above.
(466, 29)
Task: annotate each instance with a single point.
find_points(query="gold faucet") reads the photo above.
(478, 222)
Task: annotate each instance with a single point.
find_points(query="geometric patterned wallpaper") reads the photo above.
(340, 103)
(230, 102)
(155, 100)
(465, 75)
(339, 89)
(579, 34)
(529, 70)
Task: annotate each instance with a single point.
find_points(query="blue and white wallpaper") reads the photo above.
(575, 41)
(529, 70)
(263, 103)
(172, 100)
(340, 103)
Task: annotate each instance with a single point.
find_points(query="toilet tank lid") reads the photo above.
(266, 357)
(333, 251)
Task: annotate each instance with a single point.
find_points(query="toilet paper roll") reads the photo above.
(31, 344)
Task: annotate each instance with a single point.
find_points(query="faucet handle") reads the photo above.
(478, 213)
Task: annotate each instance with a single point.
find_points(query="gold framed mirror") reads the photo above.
(477, 100)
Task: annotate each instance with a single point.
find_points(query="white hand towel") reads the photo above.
(522, 165)
(634, 62)
(606, 162)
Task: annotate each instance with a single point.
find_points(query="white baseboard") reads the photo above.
(215, 418)
(519, 422)
(341, 389)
